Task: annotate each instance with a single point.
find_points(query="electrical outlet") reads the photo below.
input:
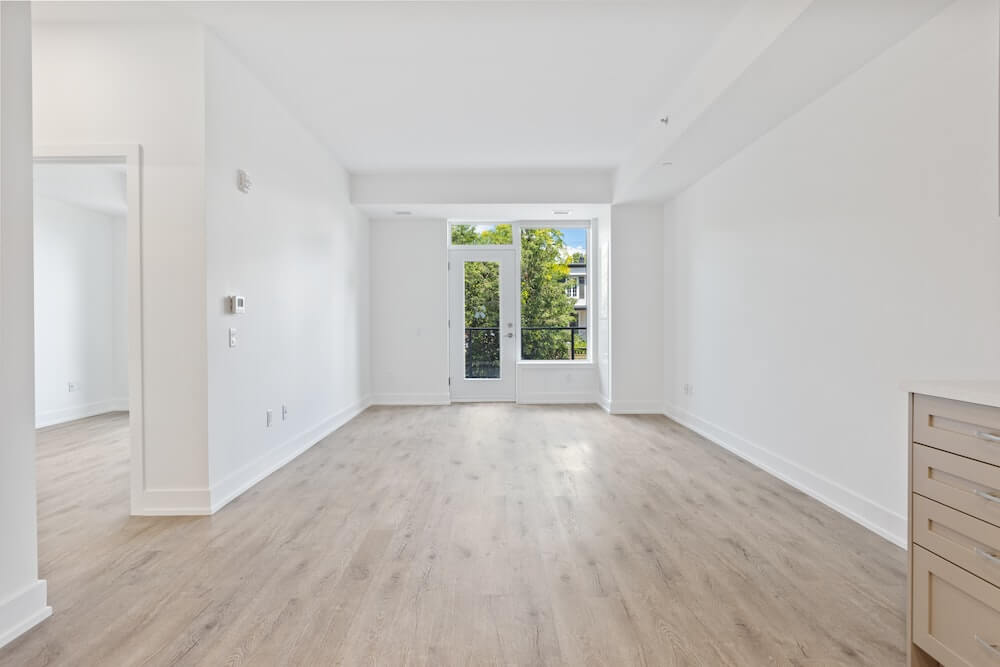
(72, 386)
(284, 412)
(688, 390)
(270, 418)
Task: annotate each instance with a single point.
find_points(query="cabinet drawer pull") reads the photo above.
(992, 648)
(993, 558)
(986, 496)
(989, 437)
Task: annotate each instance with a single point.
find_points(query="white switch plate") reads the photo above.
(270, 418)
(72, 386)
(233, 340)
(284, 412)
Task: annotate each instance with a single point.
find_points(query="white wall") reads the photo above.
(602, 273)
(637, 308)
(79, 312)
(22, 595)
(298, 251)
(409, 311)
(853, 247)
(144, 84)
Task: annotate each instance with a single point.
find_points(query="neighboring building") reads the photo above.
(576, 287)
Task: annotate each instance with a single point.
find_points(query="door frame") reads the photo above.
(507, 391)
(131, 156)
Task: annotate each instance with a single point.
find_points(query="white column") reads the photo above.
(22, 595)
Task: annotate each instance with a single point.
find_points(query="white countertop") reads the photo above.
(983, 392)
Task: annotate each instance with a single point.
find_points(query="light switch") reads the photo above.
(232, 338)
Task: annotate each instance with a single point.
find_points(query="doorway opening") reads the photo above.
(88, 314)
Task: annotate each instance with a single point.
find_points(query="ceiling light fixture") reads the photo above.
(403, 212)
(666, 164)
(561, 212)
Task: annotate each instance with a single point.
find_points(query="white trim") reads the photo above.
(635, 407)
(234, 484)
(880, 520)
(173, 502)
(61, 416)
(411, 399)
(131, 154)
(555, 398)
(23, 610)
(556, 363)
(604, 402)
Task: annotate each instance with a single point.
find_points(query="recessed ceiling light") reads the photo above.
(561, 212)
(403, 212)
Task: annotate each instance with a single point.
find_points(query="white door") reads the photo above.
(483, 339)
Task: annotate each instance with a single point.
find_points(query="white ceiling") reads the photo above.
(404, 85)
(400, 89)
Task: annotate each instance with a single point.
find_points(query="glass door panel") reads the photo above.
(482, 340)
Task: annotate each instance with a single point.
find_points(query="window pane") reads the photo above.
(553, 293)
(482, 320)
(470, 234)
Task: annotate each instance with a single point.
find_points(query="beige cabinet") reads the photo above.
(954, 592)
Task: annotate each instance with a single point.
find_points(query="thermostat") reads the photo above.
(237, 305)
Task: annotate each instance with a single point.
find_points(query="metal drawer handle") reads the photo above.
(993, 558)
(989, 437)
(986, 496)
(992, 648)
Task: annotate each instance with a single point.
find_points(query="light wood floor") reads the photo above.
(462, 535)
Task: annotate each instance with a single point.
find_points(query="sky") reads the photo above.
(576, 239)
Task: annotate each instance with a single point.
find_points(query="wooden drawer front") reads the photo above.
(956, 615)
(961, 483)
(963, 428)
(959, 538)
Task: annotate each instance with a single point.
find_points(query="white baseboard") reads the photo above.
(635, 408)
(604, 402)
(411, 399)
(173, 502)
(871, 515)
(242, 479)
(555, 398)
(23, 610)
(61, 416)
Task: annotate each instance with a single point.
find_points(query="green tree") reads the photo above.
(544, 303)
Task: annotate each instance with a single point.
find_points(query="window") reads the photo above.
(480, 234)
(553, 313)
(482, 320)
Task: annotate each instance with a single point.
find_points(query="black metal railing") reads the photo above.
(575, 334)
(482, 347)
(482, 352)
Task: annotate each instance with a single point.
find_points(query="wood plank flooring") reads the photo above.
(483, 534)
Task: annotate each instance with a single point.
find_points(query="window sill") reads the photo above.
(557, 363)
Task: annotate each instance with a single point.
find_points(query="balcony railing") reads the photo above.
(576, 335)
(482, 348)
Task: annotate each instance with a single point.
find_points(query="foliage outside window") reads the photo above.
(482, 319)
(469, 234)
(549, 313)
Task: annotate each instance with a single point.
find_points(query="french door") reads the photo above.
(482, 287)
